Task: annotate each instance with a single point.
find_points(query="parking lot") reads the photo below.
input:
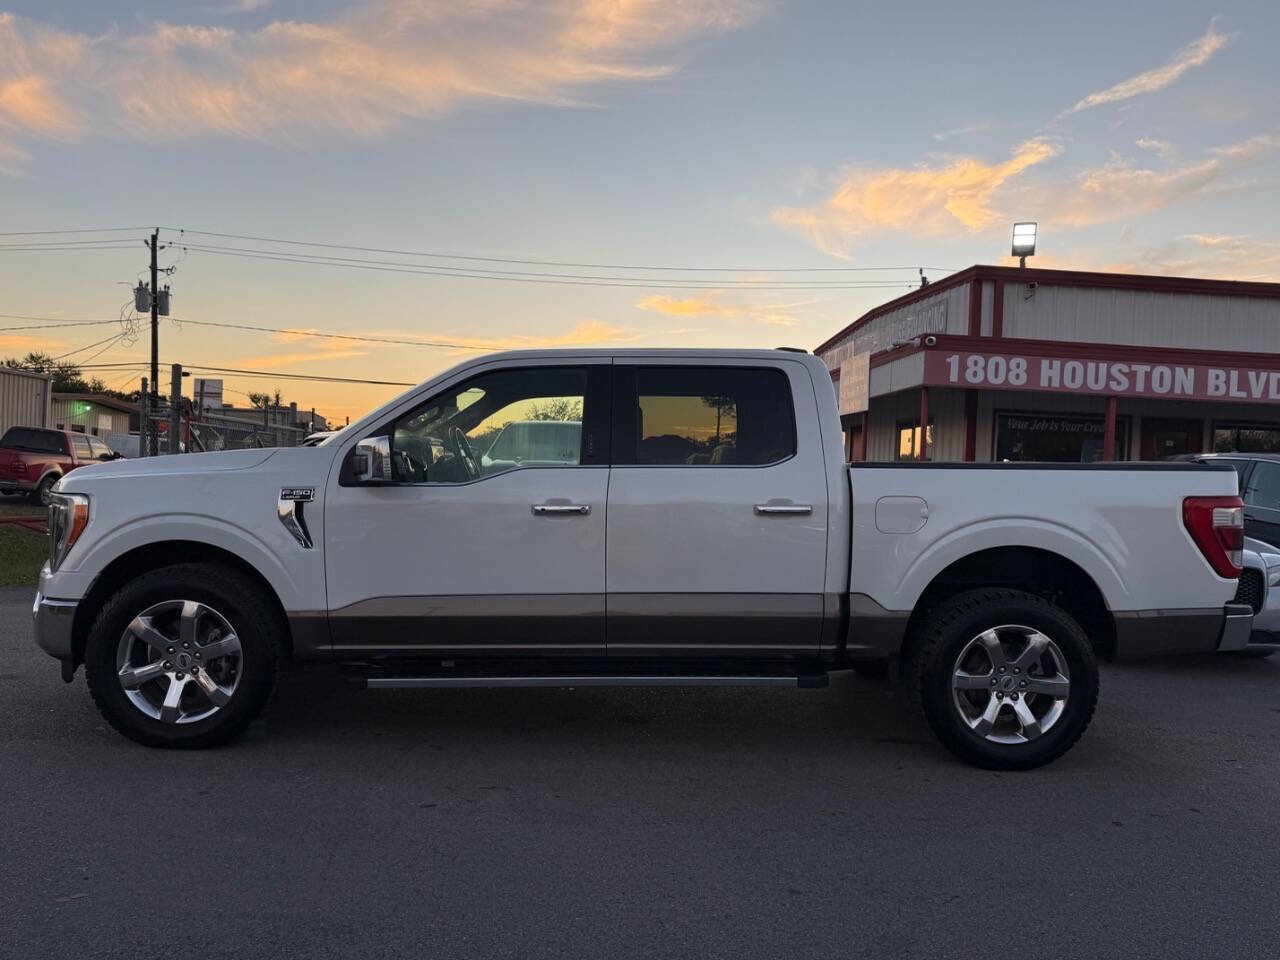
(619, 823)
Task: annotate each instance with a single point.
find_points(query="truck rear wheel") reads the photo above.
(1006, 680)
(184, 656)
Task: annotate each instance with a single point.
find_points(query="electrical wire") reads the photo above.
(89, 346)
(62, 248)
(42, 233)
(545, 263)
(344, 336)
(603, 282)
(494, 273)
(60, 326)
(253, 373)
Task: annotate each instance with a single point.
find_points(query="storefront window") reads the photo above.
(1055, 439)
(909, 440)
(1245, 438)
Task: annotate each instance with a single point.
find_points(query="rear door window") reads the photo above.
(703, 416)
(81, 447)
(1263, 488)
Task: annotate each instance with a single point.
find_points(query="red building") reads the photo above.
(1006, 363)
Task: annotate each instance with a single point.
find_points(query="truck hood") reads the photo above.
(185, 464)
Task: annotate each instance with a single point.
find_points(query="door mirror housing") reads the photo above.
(371, 461)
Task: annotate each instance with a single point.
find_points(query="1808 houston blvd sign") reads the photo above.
(1009, 371)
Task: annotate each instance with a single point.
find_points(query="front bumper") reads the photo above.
(52, 620)
(1150, 633)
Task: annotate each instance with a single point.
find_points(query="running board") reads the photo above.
(400, 683)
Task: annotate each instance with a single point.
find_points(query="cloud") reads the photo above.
(773, 314)
(374, 67)
(24, 342)
(1123, 189)
(923, 200)
(1162, 148)
(963, 131)
(321, 352)
(1221, 256)
(240, 6)
(1150, 81)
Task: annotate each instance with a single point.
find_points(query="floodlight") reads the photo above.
(1024, 240)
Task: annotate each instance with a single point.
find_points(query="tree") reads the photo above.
(557, 408)
(724, 407)
(67, 377)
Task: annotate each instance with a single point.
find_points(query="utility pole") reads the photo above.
(154, 433)
(144, 421)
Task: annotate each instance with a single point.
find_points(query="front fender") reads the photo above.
(75, 577)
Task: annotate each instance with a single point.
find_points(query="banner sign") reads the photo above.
(1007, 371)
(855, 384)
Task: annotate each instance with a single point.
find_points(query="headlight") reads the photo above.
(68, 516)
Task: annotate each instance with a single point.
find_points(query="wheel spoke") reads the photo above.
(170, 712)
(142, 629)
(983, 725)
(133, 677)
(189, 621)
(1056, 686)
(224, 647)
(217, 695)
(971, 681)
(1026, 719)
(995, 651)
(1037, 644)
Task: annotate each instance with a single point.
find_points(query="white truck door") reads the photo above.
(717, 524)
(467, 553)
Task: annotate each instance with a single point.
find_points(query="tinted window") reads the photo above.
(1264, 485)
(81, 445)
(1245, 438)
(706, 416)
(34, 441)
(491, 424)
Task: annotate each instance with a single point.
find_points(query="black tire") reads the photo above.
(40, 495)
(939, 642)
(240, 601)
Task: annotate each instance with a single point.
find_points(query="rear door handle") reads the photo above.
(783, 509)
(546, 509)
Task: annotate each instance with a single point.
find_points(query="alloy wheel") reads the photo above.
(1010, 684)
(179, 661)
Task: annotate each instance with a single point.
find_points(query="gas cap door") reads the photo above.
(901, 514)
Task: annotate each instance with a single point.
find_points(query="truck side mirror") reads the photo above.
(371, 460)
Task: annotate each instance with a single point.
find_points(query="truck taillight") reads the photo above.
(1216, 524)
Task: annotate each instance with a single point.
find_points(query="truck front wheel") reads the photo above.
(184, 656)
(1006, 680)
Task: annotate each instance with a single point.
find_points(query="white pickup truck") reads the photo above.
(701, 528)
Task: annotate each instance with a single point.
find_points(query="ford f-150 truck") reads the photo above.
(705, 530)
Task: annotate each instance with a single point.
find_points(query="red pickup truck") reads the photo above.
(32, 459)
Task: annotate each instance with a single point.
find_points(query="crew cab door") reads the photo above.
(717, 522)
(472, 549)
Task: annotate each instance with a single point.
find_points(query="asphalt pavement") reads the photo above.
(591, 823)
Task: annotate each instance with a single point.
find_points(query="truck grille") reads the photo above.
(1250, 589)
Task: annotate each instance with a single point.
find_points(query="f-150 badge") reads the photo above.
(298, 493)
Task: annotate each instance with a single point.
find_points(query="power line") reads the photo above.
(343, 336)
(43, 233)
(255, 373)
(494, 273)
(71, 323)
(603, 282)
(64, 248)
(88, 346)
(546, 263)
(65, 320)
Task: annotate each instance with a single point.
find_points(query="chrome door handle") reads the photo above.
(784, 509)
(543, 509)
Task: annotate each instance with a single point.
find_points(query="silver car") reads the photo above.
(1260, 588)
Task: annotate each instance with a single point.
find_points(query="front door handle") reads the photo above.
(546, 509)
(783, 509)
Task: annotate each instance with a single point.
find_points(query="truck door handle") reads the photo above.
(783, 509)
(545, 509)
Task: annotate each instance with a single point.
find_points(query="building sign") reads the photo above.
(1006, 371)
(883, 333)
(855, 384)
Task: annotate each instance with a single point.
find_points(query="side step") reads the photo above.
(657, 680)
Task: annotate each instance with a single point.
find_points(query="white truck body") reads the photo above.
(805, 559)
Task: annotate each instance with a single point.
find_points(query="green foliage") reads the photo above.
(67, 377)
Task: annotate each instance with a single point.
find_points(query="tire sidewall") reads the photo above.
(944, 716)
(217, 589)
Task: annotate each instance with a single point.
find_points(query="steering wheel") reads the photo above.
(460, 447)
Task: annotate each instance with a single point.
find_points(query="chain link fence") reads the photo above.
(211, 432)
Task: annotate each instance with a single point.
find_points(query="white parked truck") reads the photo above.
(704, 530)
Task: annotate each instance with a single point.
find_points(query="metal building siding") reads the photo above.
(946, 410)
(957, 300)
(63, 412)
(1142, 318)
(25, 399)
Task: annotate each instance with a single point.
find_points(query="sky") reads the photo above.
(796, 163)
